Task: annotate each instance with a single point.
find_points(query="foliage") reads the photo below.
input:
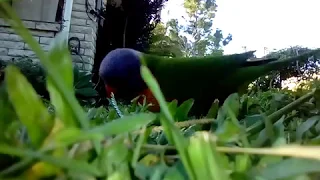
(196, 38)
(264, 136)
(35, 74)
(302, 71)
(166, 45)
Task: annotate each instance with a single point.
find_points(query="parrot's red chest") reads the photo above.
(150, 100)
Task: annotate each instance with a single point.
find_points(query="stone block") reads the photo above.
(80, 22)
(78, 35)
(87, 45)
(10, 37)
(81, 51)
(6, 30)
(90, 37)
(11, 45)
(81, 29)
(45, 47)
(3, 51)
(48, 26)
(83, 2)
(87, 67)
(89, 52)
(27, 24)
(79, 15)
(18, 52)
(79, 7)
(45, 40)
(42, 33)
(6, 58)
(79, 65)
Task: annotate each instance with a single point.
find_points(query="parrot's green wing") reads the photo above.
(213, 77)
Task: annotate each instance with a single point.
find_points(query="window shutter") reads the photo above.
(36, 10)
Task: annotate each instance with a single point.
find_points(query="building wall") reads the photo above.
(85, 29)
(82, 27)
(13, 47)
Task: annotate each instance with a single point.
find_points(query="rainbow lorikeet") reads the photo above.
(202, 78)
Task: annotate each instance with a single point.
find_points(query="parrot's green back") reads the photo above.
(208, 78)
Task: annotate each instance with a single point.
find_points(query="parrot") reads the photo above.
(203, 79)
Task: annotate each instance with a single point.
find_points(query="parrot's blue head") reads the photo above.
(120, 71)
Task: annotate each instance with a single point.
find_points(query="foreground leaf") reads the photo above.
(28, 105)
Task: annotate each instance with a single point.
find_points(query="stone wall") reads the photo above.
(13, 47)
(82, 27)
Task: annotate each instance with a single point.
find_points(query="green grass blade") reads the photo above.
(28, 105)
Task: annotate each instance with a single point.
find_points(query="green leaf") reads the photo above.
(59, 58)
(305, 126)
(228, 132)
(173, 105)
(83, 80)
(61, 162)
(213, 111)
(28, 106)
(58, 82)
(88, 92)
(250, 120)
(183, 110)
(177, 172)
(205, 158)
(287, 168)
(124, 124)
(167, 121)
(263, 136)
(232, 103)
(113, 160)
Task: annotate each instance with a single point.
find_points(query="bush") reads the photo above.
(244, 143)
(35, 74)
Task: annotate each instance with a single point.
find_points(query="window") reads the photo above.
(39, 10)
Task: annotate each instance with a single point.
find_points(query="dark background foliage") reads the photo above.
(128, 25)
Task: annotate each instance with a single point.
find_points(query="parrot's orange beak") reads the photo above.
(110, 90)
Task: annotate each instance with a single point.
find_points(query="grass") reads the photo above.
(267, 135)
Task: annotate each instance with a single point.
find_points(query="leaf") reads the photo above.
(28, 106)
(61, 162)
(183, 110)
(288, 168)
(150, 167)
(177, 172)
(59, 58)
(228, 132)
(172, 132)
(204, 157)
(232, 103)
(88, 92)
(305, 126)
(263, 137)
(213, 111)
(250, 120)
(83, 80)
(113, 160)
(124, 124)
(58, 82)
(173, 105)
(317, 98)
(137, 150)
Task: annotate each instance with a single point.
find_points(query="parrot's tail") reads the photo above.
(276, 65)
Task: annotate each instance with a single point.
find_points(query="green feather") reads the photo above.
(213, 77)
